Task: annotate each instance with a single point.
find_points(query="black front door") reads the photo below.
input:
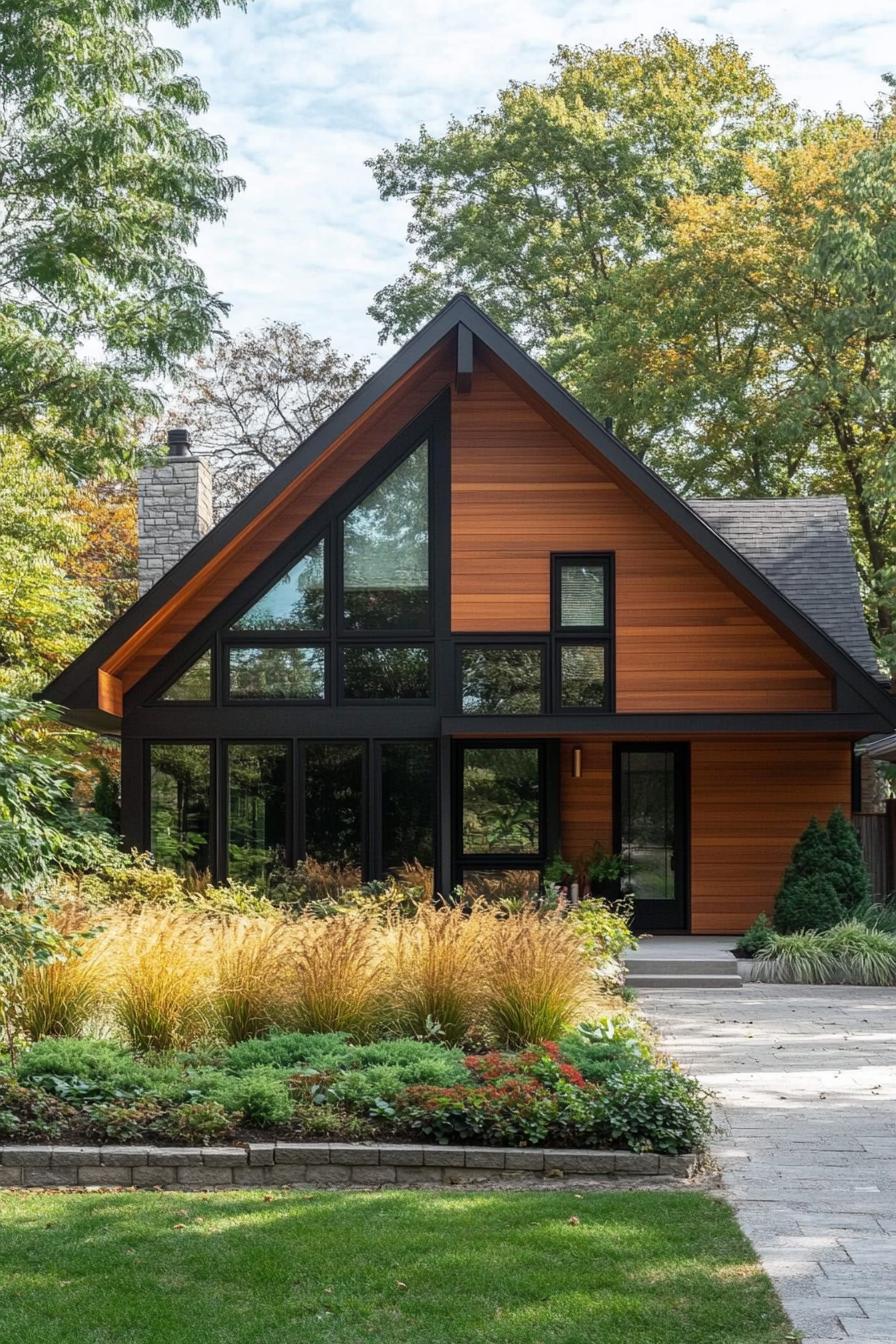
(650, 786)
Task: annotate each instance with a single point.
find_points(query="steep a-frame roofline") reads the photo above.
(460, 324)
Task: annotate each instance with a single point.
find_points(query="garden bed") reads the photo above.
(600, 1087)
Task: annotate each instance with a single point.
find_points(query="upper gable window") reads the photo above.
(582, 597)
(385, 552)
(297, 601)
(194, 685)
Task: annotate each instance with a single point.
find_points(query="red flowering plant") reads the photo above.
(520, 1098)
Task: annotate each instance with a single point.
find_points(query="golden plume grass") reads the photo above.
(250, 971)
(537, 977)
(162, 961)
(335, 977)
(435, 971)
(59, 999)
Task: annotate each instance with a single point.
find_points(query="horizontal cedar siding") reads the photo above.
(684, 640)
(586, 803)
(751, 798)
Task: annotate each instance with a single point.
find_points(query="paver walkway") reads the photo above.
(806, 1080)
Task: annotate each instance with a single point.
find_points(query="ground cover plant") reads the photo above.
(390, 1267)
(601, 1085)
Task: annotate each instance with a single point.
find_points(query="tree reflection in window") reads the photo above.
(256, 813)
(385, 672)
(334, 794)
(294, 602)
(501, 800)
(194, 685)
(385, 554)
(180, 805)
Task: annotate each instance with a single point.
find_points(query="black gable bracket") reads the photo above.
(463, 378)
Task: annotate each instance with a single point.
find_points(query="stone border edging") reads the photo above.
(322, 1164)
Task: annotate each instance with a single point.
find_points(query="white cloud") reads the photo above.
(304, 90)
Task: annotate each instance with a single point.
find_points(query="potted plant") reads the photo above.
(602, 874)
(559, 873)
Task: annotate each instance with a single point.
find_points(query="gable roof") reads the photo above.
(803, 547)
(88, 687)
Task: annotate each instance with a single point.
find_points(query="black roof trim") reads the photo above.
(462, 310)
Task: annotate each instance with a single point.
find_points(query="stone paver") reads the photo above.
(806, 1082)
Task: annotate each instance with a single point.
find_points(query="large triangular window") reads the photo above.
(297, 601)
(194, 685)
(385, 552)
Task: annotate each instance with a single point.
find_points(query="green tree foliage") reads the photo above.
(46, 615)
(848, 872)
(690, 256)
(104, 181)
(42, 831)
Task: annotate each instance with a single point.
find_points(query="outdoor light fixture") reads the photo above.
(577, 762)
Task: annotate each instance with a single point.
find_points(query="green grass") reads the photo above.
(398, 1267)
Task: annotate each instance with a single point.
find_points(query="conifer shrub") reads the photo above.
(848, 873)
(808, 898)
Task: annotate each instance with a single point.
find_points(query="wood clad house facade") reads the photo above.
(463, 624)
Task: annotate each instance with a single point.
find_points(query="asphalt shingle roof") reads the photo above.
(803, 546)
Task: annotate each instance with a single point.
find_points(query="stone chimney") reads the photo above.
(174, 509)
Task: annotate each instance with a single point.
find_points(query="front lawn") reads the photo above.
(249, 1267)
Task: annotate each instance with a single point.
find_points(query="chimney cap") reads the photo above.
(179, 442)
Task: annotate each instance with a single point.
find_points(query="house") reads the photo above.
(463, 624)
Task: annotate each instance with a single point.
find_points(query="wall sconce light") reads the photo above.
(577, 762)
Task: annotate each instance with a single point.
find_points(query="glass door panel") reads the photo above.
(651, 833)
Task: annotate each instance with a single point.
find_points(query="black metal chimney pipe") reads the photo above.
(179, 443)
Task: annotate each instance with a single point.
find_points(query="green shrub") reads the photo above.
(652, 1110)
(31, 1115)
(425, 1056)
(610, 1046)
(604, 932)
(808, 898)
(195, 1122)
(121, 1121)
(807, 904)
(289, 1050)
(260, 1095)
(848, 872)
(755, 938)
(88, 1070)
(362, 1088)
(311, 1120)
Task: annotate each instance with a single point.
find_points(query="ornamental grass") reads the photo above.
(161, 974)
(537, 978)
(60, 998)
(336, 977)
(249, 990)
(436, 968)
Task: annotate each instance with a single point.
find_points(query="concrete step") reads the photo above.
(644, 964)
(690, 980)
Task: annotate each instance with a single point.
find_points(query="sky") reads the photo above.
(304, 91)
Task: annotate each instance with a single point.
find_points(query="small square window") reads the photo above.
(582, 595)
(501, 679)
(583, 676)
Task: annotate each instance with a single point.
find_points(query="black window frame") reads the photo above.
(485, 641)
(214, 791)
(470, 859)
(276, 642)
(223, 799)
(603, 635)
(342, 646)
(158, 700)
